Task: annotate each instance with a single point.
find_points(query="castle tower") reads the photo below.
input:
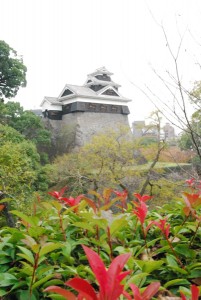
(88, 109)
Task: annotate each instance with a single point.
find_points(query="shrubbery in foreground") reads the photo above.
(48, 254)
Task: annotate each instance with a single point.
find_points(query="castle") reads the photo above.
(86, 110)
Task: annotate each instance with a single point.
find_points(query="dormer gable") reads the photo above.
(66, 92)
(109, 91)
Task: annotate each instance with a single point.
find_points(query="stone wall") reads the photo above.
(76, 129)
(88, 124)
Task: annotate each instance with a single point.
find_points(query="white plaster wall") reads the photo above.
(112, 101)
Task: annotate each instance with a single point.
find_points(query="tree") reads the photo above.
(112, 159)
(186, 141)
(12, 71)
(177, 100)
(105, 161)
(27, 124)
(20, 170)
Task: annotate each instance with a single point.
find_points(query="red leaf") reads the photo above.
(118, 264)
(141, 211)
(195, 292)
(143, 198)
(106, 195)
(128, 297)
(151, 290)
(162, 225)
(191, 181)
(123, 194)
(114, 276)
(193, 199)
(1, 207)
(83, 287)
(186, 211)
(90, 203)
(97, 267)
(59, 194)
(182, 296)
(58, 290)
(121, 276)
(136, 292)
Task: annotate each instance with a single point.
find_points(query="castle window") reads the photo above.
(114, 108)
(92, 106)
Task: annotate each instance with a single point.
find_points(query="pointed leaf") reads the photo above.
(149, 266)
(58, 290)
(85, 225)
(184, 250)
(179, 281)
(183, 297)
(49, 247)
(151, 290)
(137, 279)
(29, 241)
(7, 279)
(41, 281)
(29, 256)
(107, 193)
(26, 257)
(97, 266)
(108, 205)
(127, 295)
(117, 225)
(171, 260)
(118, 264)
(136, 292)
(82, 286)
(114, 276)
(195, 291)
(90, 203)
(33, 221)
(123, 275)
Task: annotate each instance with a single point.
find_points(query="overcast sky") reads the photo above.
(62, 41)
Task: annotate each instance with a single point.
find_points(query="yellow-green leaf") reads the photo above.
(27, 254)
(49, 247)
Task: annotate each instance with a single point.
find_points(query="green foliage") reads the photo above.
(191, 137)
(20, 169)
(106, 160)
(28, 125)
(12, 71)
(45, 248)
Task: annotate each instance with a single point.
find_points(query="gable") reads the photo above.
(66, 92)
(110, 92)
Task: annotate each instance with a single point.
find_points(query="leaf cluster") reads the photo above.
(45, 248)
(12, 71)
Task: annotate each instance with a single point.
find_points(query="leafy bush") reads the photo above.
(159, 249)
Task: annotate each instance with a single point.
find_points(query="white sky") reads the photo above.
(62, 41)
